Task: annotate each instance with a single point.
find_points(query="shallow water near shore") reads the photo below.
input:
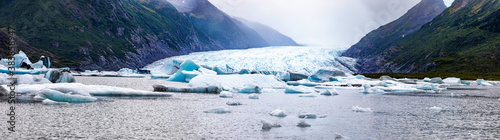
(470, 112)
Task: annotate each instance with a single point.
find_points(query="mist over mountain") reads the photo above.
(110, 34)
(371, 46)
(272, 37)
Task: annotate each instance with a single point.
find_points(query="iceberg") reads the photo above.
(452, 81)
(234, 103)
(427, 79)
(298, 90)
(323, 75)
(304, 83)
(187, 65)
(228, 82)
(295, 76)
(308, 116)
(310, 95)
(329, 92)
(435, 108)
(302, 123)
(30, 79)
(58, 76)
(218, 110)
(207, 89)
(58, 96)
(366, 88)
(278, 113)
(94, 90)
(50, 102)
(253, 96)
(21, 58)
(436, 80)
(266, 125)
(226, 94)
(361, 109)
(250, 88)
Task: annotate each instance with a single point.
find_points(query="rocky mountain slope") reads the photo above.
(464, 38)
(369, 49)
(111, 34)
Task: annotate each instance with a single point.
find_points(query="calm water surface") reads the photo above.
(475, 116)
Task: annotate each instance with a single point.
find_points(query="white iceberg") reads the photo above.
(278, 113)
(226, 94)
(70, 97)
(30, 79)
(94, 90)
(187, 65)
(233, 103)
(452, 81)
(329, 92)
(228, 82)
(435, 108)
(253, 96)
(218, 110)
(427, 79)
(303, 123)
(50, 102)
(324, 75)
(436, 80)
(308, 116)
(266, 125)
(298, 90)
(250, 88)
(366, 88)
(208, 89)
(361, 109)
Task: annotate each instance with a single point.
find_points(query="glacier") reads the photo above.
(304, 60)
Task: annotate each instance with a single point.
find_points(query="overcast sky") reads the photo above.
(336, 23)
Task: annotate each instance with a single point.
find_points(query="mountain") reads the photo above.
(464, 38)
(272, 37)
(369, 49)
(20, 45)
(111, 34)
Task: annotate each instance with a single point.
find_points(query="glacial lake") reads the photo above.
(472, 116)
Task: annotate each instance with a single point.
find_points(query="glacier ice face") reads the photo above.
(304, 60)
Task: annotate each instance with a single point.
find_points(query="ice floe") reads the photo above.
(298, 90)
(253, 96)
(218, 110)
(59, 96)
(226, 94)
(228, 82)
(361, 109)
(435, 108)
(278, 113)
(94, 90)
(266, 125)
(308, 115)
(50, 102)
(250, 88)
(207, 89)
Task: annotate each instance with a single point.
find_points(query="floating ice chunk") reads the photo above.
(50, 102)
(94, 90)
(452, 81)
(304, 83)
(218, 110)
(339, 136)
(20, 58)
(229, 82)
(30, 79)
(308, 116)
(379, 91)
(435, 108)
(298, 90)
(366, 88)
(427, 79)
(233, 103)
(57, 76)
(310, 95)
(226, 94)
(266, 125)
(190, 74)
(324, 75)
(208, 89)
(329, 92)
(436, 80)
(253, 96)
(466, 82)
(361, 109)
(250, 88)
(360, 77)
(58, 96)
(278, 113)
(187, 65)
(295, 76)
(302, 123)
